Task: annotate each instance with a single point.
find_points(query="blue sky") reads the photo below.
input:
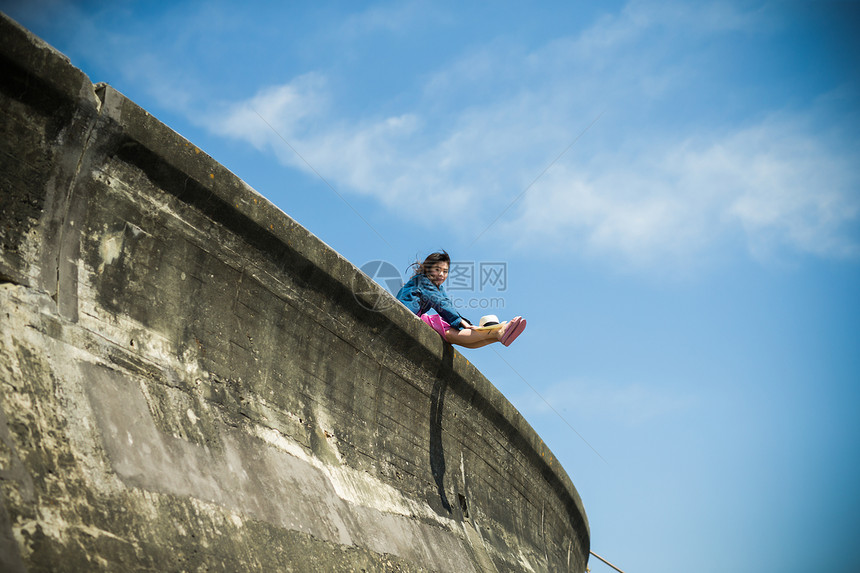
(673, 188)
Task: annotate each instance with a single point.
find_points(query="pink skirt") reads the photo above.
(436, 323)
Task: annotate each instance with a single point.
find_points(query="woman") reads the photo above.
(424, 291)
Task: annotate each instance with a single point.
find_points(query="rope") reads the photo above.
(607, 562)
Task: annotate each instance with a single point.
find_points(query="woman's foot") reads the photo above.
(512, 330)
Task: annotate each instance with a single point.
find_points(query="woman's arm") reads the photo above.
(435, 298)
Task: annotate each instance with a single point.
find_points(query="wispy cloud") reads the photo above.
(774, 184)
(396, 17)
(288, 109)
(655, 186)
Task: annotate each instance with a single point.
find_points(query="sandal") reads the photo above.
(515, 328)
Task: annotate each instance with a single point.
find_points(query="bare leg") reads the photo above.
(478, 344)
(470, 338)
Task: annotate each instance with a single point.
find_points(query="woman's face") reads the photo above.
(438, 273)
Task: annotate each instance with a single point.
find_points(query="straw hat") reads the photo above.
(489, 320)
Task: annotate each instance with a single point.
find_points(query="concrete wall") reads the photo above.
(189, 381)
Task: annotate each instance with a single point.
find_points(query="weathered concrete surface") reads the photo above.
(188, 381)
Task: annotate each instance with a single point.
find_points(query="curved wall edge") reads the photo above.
(189, 377)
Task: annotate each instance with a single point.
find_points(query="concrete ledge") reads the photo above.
(225, 392)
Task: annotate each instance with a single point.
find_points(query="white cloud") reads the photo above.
(788, 187)
(623, 32)
(775, 182)
(634, 191)
(400, 160)
(274, 112)
(396, 17)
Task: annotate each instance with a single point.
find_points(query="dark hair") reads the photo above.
(432, 259)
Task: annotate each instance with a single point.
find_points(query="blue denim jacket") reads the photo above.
(419, 295)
